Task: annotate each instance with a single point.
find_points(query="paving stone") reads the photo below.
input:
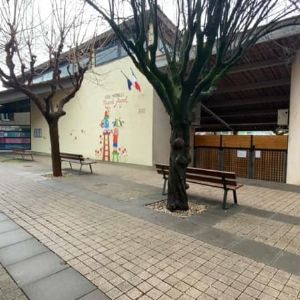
(288, 261)
(8, 225)
(114, 241)
(64, 285)
(36, 267)
(12, 237)
(20, 251)
(95, 295)
(3, 217)
(8, 289)
(255, 250)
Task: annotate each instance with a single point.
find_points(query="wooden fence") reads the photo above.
(256, 157)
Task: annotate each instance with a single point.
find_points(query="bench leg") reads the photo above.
(91, 169)
(70, 165)
(224, 199)
(235, 197)
(164, 187)
(31, 157)
(80, 168)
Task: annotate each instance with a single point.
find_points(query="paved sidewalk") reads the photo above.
(98, 224)
(8, 288)
(39, 272)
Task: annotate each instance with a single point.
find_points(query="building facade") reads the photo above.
(115, 116)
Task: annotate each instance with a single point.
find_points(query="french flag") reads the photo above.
(135, 82)
(129, 84)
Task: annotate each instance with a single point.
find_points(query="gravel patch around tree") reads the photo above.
(194, 209)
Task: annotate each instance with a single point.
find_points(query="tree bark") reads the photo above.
(54, 140)
(179, 160)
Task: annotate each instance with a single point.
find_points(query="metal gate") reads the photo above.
(255, 157)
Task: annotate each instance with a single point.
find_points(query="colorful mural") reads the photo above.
(110, 149)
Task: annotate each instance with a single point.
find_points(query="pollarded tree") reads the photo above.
(208, 38)
(53, 33)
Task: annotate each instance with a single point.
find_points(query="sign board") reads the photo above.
(242, 154)
(282, 117)
(257, 154)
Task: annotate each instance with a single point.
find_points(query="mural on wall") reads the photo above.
(110, 148)
(113, 142)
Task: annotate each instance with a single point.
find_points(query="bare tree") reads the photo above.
(208, 38)
(27, 38)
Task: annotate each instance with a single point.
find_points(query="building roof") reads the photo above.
(249, 96)
(11, 95)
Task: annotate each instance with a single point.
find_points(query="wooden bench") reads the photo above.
(77, 159)
(213, 178)
(23, 153)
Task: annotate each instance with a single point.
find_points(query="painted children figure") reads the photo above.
(115, 154)
(105, 122)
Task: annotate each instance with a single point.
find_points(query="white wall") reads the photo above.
(81, 131)
(40, 144)
(161, 132)
(293, 175)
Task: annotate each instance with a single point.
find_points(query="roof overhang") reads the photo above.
(250, 95)
(11, 95)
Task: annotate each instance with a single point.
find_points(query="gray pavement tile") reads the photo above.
(95, 295)
(20, 251)
(12, 237)
(65, 285)
(8, 225)
(255, 250)
(36, 267)
(289, 262)
(3, 217)
(218, 238)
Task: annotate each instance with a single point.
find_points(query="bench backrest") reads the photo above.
(203, 175)
(71, 156)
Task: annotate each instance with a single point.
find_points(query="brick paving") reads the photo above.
(276, 201)
(8, 288)
(131, 258)
(274, 233)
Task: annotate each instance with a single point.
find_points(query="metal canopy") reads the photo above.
(249, 96)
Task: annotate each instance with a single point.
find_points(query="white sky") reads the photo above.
(168, 7)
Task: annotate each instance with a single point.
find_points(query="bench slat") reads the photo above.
(214, 173)
(76, 161)
(208, 172)
(71, 156)
(202, 178)
(217, 180)
(229, 187)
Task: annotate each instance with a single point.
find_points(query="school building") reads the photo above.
(116, 116)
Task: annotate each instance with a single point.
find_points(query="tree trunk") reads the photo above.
(179, 160)
(54, 140)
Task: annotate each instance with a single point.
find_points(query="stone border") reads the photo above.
(37, 271)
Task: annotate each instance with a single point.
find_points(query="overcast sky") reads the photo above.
(45, 10)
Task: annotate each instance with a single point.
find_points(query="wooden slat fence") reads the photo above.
(256, 157)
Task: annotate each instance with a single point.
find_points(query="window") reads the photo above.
(7, 117)
(37, 132)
